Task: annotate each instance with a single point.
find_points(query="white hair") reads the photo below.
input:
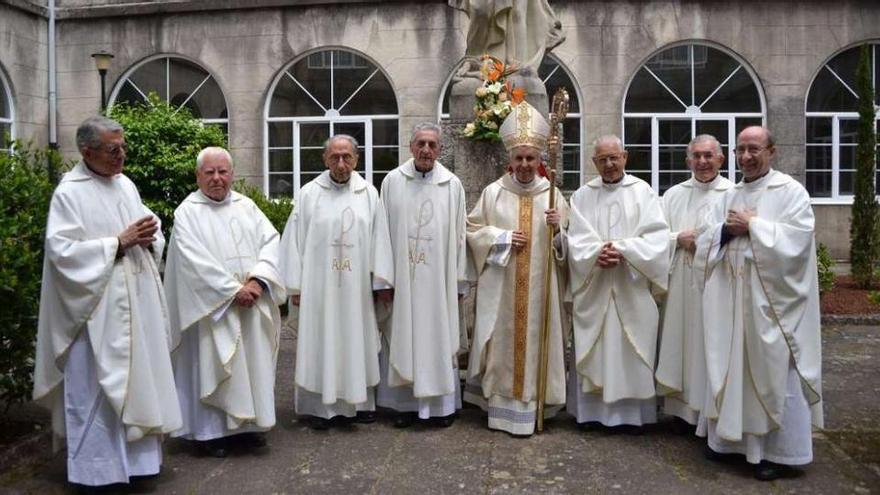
(704, 138)
(425, 126)
(608, 138)
(212, 150)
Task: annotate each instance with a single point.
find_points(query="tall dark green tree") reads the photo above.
(863, 230)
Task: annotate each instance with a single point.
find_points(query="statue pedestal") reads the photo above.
(479, 163)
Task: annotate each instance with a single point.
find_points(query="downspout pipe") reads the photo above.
(53, 96)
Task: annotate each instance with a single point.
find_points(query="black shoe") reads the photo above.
(681, 427)
(365, 417)
(769, 471)
(404, 420)
(632, 430)
(718, 456)
(589, 426)
(255, 440)
(214, 448)
(319, 424)
(444, 421)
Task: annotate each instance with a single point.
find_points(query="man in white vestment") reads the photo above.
(425, 205)
(223, 289)
(507, 241)
(335, 254)
(103, 344)
(681, 363)
(761, 316)
(618, 258)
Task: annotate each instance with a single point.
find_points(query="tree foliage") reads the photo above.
(863, 230)
(276, 209)
(163, 142)
(26, 187)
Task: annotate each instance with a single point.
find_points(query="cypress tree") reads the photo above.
(863, 230)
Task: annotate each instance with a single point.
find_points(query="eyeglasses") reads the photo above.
(613, 158)
(113, 150)
(751, 150)
(346, 157)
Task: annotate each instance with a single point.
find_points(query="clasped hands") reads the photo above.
(737, 221)
(609, 256)
(519, 240)
(248, 294)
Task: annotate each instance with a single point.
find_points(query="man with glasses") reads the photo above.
(335, 258)
(618, 245)
(761, 316)
(102, 360)
(681, 362)
(426, 216)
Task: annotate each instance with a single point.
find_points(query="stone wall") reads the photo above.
(23, 60)
(245, 45)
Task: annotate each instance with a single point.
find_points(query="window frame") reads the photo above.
(836, 198)
(330, 117)
(6, 94)
(126, 78)
(688, 113)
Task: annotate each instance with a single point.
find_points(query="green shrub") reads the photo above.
(276, 209)
(825, 263)
(25, 191)
(163, 142)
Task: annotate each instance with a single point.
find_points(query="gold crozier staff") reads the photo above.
(557, 115)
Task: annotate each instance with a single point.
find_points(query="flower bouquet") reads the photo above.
(495, 99)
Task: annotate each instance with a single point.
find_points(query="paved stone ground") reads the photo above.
(469, 458)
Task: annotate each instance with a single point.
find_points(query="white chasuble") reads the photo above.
(118, 302)
(681, 363)
(760, 308)
(216, 247)
(426, 218)
(510, 298)
(615, 316)
(334, 248)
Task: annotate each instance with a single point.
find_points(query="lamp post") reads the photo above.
(102, 63)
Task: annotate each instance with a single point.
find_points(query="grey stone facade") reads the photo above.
(417, 45)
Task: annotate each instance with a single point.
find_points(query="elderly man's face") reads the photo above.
(705, 161)
(108, 158)
(214, 177)
(340, 158)
(610, 161)
(753, 153)
(425, 148)
(524, 161)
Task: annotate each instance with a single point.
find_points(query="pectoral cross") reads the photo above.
(613, 219)
(239, 239)
(426, 214)
(340, 262)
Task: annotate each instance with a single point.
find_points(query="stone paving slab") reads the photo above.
(468, 458)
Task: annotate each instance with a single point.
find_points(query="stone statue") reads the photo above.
(518, 32)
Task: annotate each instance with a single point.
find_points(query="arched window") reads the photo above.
(179, 82)
(832, 121)
(323, 94)
(677, 94)
(555, 76)
(6, 115)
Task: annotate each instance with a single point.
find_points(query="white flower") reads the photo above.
(469, 129)
(495, 88)
(481, 92)
(491, 125)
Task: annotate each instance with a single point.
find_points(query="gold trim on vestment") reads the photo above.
(521, 298)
